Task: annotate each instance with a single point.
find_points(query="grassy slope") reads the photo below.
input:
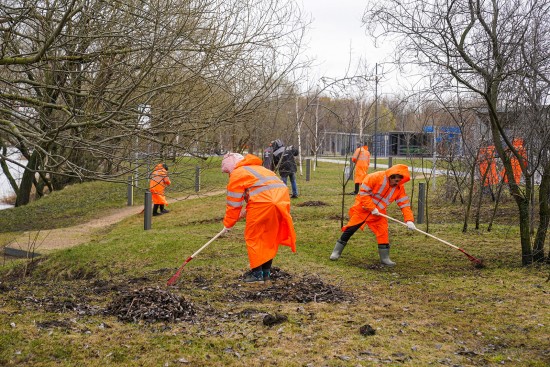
(432, 308)
(79, 203)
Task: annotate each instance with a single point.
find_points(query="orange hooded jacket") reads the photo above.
(268, 220)
(487, 165)
(375, 192)
(159, 180)
(361, 158)
(517, 164)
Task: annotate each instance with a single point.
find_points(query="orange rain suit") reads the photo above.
(361, 158)
(159, 181)
(268, 220)
(487, 165)
(516, 164)
(376, 192)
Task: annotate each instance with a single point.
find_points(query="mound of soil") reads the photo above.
(58, 300)
(203, 221)
(48, 324)
(278, 274)
(270, 320)
(150, 305)
(367, 330)
(308, 289)
(60, 303)
(313, 203)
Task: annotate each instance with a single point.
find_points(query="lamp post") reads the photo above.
(375, 146)
(376, 81)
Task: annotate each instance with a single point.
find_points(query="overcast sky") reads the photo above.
(337, 34)
(336, 29)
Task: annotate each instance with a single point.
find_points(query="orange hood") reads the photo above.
(399, 169)
(249, 160)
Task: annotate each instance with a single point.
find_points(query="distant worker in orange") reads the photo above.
(378, 190)
(257, 194)
(361, 158)
(159, 181)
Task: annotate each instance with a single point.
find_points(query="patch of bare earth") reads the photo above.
(151, 304)
(284, 288)
(142, 300)
(312, 203)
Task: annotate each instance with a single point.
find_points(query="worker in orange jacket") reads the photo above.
(361, 158)
(257, 194)
(378, 190)
(159, 181)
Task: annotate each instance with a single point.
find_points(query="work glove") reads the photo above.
(225, 230)
(410, 225)
(375, 212)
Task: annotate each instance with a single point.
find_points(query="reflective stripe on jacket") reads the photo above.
(159, 181)
(361, 158)
(375, 192)
(268, 220)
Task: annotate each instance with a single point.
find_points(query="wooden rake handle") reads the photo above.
(418, 230)
(175, 277)
(208, 243)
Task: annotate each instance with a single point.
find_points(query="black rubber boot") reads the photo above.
(266, 274)
(266, 270)
(255, 276)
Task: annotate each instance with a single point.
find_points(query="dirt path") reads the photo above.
(47, 240)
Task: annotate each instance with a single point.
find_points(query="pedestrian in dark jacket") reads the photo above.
(268, 158)
(283, 159)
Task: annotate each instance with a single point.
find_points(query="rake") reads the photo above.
(175, 277)
(478, 263)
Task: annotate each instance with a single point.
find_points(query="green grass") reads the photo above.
(79, 203)
(433, 308)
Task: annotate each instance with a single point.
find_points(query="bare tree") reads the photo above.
(493, 49)
(86, 85)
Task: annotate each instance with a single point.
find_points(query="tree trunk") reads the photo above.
(478, 206)
(497, 201)
(481, 189)
(25, 188)
(526, 250)
(521, 198)
(544, 216)
(458, 191)
(7, 173)
(426, 206)
(470, 198)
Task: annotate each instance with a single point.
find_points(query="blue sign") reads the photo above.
(449, 129)
(428, 129)
(442, 129)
